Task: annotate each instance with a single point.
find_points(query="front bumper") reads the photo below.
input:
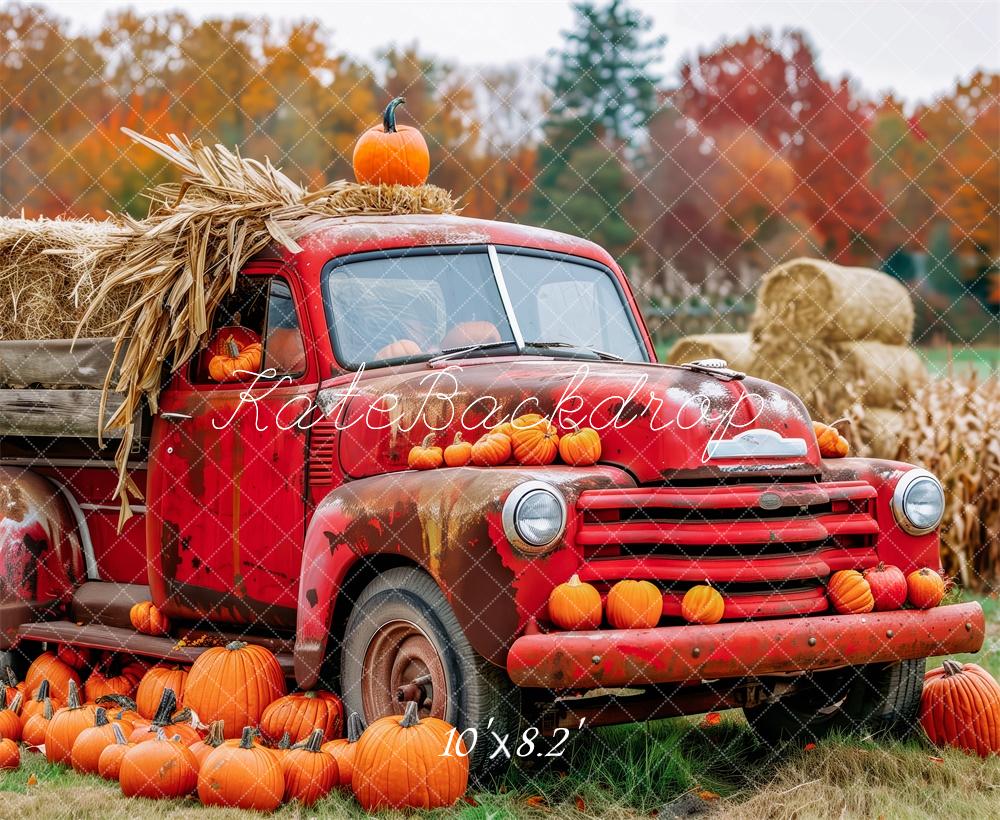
(675, 654)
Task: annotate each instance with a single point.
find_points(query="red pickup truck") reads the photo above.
(280, 508)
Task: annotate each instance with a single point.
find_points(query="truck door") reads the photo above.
(227, 465)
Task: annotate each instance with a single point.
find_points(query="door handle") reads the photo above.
(175, 416)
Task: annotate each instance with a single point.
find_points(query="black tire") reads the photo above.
(879, 699)
(479, 694)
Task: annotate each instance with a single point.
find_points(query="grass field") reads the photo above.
(658, 769)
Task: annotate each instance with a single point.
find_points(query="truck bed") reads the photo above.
(52, 388)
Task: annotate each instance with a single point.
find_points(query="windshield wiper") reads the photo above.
(455, 352)
(601, 354)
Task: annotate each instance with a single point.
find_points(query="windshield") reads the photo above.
(418, 304)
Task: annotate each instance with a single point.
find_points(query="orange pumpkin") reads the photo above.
(300, 713)
(960, 707)
(35, 705)
(634, 605)
(399, 349)
(285, 351)
(162, 768)
(242, 776)
(310, 773)
(831, 443)
(100, 683)
(425, 456)
(73, 656)
(147, 619)
(535, 441)
(504, 428)
(458, 453)
(400, 763)
(227, 365)
(109, 764)
(702, 604)
(470, 333)
(391, 154)
(575, 605)
(34, 728)
(213, 740)
(151, 687)
(66, 725)
(850, 593)
(581, 447)
(234, 683)
(924, 588)
(13, 687)
(86, 752)
(171, 722)
(491, 450)
(10, 754)
(10, 718)
(48, 667)
(343, 749)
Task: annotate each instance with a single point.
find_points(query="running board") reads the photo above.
(118, 639)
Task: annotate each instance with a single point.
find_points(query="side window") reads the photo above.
(254, 328)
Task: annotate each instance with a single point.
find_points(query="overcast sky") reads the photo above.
(917, 49)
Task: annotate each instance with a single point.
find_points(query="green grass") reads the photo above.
(632, 771)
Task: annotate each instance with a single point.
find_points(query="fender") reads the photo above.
(894, 545)
(41, 560)
(447, 521)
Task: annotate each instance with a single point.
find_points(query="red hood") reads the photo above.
(655, 421)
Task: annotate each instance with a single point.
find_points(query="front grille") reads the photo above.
(769, 548)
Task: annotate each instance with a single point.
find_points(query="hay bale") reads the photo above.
(881, 429)
(809, 299)
(884, 375)
(43, 294)
(806, 371)
(735, 348)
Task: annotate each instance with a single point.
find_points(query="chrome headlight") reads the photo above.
(534, 516)
(918, 502)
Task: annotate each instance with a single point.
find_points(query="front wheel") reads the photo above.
(403, 642)
(877, 699)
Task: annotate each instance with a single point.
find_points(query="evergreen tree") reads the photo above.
(603, 94)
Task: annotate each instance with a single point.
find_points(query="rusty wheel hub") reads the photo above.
(401, 664)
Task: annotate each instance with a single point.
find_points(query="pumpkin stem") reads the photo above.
(215, 736)
(165, 711)
(428, 440)
(314, 741)
(411, 717)
(231, 348)
(43, 690)
(952, 668)
(73, 701)
(48, 709)
(574, 581)
(119, 734)
(15, 705)
(101, 717)
(389, 117)
(160, 735)
(235, 645)
(355, 726)
(246, 739)
(11, 677)
(457, 440)
(286, 741)
(122, 701)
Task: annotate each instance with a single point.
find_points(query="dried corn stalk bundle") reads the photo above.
(40, 293)
(184, 258)
(952, 428)
(735, 348)
(807, 300)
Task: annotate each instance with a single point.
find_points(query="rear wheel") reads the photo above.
(403, 642)
(878, 699)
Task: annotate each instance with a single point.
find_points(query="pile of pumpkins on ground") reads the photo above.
(260, 746)
(531, 440)
(960, 705)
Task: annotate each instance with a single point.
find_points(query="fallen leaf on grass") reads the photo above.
(809, 747)
(581, 806)
(536, 801)
(712, 719)
(706, 795)
(32, 780)
(934, 759)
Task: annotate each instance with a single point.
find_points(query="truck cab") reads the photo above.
(279, 508)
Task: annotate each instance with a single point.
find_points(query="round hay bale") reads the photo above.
(809, 299)
(735, 348)
(881, 429)
(806, 371)
(885, 375)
